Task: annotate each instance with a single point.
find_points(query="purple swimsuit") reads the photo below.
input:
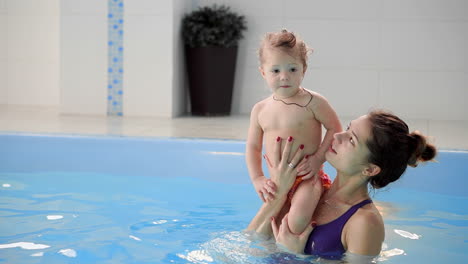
(325, 240)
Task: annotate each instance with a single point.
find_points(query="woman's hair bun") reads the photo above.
(423, 151)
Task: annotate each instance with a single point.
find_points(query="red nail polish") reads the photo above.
(290, 139)
(302, 146)
(278, 139)
(272, 218)
(306, 156)
(313, 224)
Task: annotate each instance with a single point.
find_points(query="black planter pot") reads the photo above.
(211, 79)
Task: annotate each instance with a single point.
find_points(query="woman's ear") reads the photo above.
(371, 170)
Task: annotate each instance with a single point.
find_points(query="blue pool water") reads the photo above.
(71, 199)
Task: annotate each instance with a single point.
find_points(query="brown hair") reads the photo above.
(288, 42)
(393, 148)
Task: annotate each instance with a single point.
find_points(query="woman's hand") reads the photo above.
(293, 242)
(282, 165)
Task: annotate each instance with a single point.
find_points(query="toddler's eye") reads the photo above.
(351, 140)
(293, 69)
(275, 71)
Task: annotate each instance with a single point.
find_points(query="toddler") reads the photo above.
(292, 111)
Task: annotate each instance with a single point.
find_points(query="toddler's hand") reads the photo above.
(309, 167)
(265, 188)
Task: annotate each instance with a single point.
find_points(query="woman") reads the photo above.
(374, 150)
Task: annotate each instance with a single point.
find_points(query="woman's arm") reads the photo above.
(261, 223)
(283, 176)
(293, 242)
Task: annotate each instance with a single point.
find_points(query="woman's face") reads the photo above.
(348, 152)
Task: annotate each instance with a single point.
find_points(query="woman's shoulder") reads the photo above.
(365, 231)
(368, 214)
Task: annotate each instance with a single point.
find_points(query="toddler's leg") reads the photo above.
(303, 205)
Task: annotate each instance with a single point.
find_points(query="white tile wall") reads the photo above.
(406, 55)
(250, 88)
(350, 92)
(83, 7)
(425, 9)
(339, 43)
(40, 87)
(83, 53)
(368, 53)
(3, 82)
(33, 7)
(148, 7)
(32, 46)
(3, 6)
(3, 53)
(332, 10)
(445, 133)
(429, 95)
(248, 47)
(425, 45)
(260, 9)
(33, 37)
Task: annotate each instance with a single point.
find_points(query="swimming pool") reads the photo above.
(145, 200)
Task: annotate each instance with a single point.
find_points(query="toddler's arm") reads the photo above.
(253, 153)
(325, 114)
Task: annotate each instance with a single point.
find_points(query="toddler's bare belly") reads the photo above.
(311, 140)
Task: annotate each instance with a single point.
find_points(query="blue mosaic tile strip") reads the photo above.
(115, 57)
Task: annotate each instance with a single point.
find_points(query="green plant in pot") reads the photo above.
(211, 36)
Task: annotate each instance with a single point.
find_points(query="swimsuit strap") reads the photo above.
(353, 210)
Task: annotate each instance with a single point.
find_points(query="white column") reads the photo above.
(153, 63)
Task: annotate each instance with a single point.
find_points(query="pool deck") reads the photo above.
(41, 119)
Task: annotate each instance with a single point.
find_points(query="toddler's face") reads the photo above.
(282, 72)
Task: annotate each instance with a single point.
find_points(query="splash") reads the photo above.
(68, 252)
(159, 222)
(385, 255)
(54, 217)
(197, 256)
(406, 234)
(134, 238)
(24, 245)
